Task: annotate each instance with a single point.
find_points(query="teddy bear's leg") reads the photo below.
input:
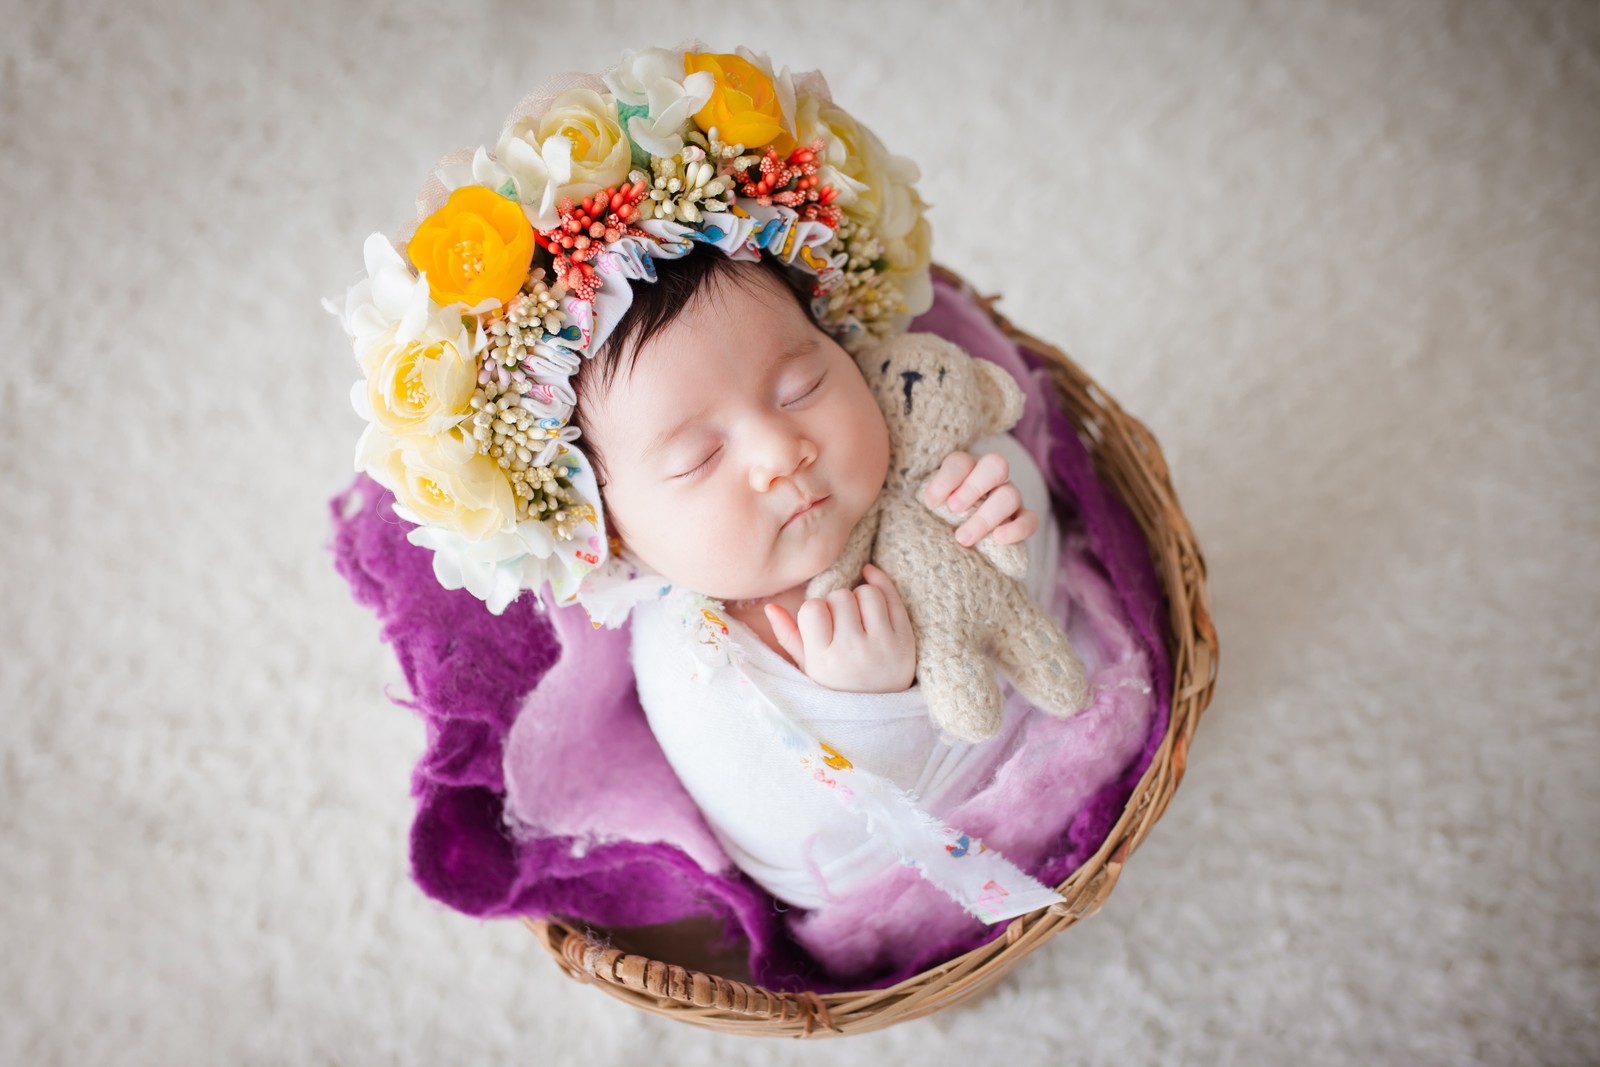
(1035, 655)
(960, 687)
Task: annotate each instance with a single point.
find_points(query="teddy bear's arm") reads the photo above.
(846, 570)
(1010, 560)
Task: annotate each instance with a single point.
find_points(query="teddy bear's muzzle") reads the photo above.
(910, 378)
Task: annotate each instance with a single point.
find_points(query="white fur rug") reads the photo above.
(1344, 259)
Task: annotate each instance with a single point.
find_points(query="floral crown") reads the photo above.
(519, 267)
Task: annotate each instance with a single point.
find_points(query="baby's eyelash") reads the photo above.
(815, 386)
(698, 467)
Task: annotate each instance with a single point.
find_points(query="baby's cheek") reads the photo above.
(871, 449)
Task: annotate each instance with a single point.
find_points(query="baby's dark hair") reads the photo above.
(657, 305)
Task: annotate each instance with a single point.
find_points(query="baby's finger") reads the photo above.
(1001, 505)
(990, 472)
(879, 580)
(816, 624)
(787, 633)
(1026, 523)
(846, 614)
(874, 609)
(956, 466)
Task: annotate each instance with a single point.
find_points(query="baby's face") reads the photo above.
(744, 446)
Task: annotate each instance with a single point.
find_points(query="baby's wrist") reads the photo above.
(887, 689)
(880, 681)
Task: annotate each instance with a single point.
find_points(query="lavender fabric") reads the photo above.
(605, 834)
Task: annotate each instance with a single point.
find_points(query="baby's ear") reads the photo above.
(999, 394)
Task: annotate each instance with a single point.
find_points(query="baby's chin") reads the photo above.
(798, 575)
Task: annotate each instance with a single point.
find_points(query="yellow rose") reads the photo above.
(446, 483)
(745, 106)
(477, 247)
(419, 387)
(601, 155)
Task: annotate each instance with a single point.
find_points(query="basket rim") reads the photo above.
(1117, 443)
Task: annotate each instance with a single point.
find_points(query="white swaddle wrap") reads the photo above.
(757, 744)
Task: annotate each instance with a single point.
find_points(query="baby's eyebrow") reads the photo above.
(667, 436)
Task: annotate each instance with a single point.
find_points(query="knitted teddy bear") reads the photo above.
(966, 605)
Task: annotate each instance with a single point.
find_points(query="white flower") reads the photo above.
(539, 171)
(650, 78)
(498, 568)
(494, 570)
(389, 298)
(630, 82)
(483, 169)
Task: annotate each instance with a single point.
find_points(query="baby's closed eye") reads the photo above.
(700, 467)
(806, 391)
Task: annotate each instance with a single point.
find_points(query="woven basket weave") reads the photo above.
(1130, 463)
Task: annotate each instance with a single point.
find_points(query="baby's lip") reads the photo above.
(805, 506)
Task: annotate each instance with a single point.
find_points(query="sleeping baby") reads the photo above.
(604, 359)
(736, 446)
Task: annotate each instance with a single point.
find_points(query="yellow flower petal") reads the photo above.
(478, 246)
(744, 105)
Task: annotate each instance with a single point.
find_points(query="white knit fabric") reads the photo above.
(779, 826)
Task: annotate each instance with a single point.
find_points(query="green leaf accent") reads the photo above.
(508, 189)
(641, 158)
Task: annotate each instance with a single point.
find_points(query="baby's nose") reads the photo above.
(783, 456)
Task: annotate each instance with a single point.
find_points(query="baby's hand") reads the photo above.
(962, 481)
(857, 640)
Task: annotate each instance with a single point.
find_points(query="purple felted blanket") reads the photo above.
(615, 839)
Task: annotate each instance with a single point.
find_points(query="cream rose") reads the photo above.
(444, 482)
(909, 257)
(877, 188)
(599, 154)
(420, 387)
(832, 160)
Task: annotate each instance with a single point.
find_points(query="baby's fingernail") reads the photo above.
(964, 535)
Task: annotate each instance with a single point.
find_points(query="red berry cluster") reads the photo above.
(792, 182)
(588, 227)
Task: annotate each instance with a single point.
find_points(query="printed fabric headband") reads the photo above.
(468, 333)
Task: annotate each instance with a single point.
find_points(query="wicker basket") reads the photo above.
(1130, 463)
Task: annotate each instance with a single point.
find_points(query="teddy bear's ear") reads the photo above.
(867, 356)
(1001, 396)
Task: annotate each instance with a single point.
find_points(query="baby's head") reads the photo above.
(735, 442)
